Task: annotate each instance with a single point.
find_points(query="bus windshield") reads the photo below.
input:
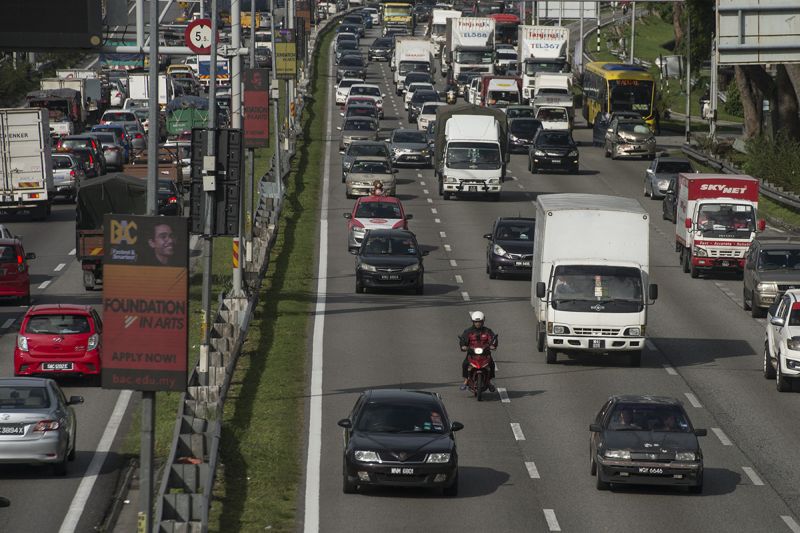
(631, 95)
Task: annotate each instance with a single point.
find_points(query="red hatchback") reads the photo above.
(59, 339)
(14, 277)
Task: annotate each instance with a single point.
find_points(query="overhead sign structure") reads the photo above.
(256, 107)
(51, 25)
(758, 31)
(285, 55)
(566, 10)
(198, 36)
(145, 303)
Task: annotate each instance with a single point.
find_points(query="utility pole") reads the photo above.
(633, 31)
(236, 123)
(290, 85)
(250, 175)
(712, 128)
(688, 127)
(597, 13)
(275, 100)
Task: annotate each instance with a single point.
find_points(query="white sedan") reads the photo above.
(343, 89)
(782, 346)
(553, 118)
(427, 114)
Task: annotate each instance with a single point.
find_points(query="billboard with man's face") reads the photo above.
(145, 303)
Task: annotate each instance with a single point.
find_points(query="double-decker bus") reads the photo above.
(609, 87)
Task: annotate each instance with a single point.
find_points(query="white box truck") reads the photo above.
(541, 49)
(591, 287)
(411, 54)
(553, 90)
(438, 27)
(470, 45)
(25, 162)
(139, 87)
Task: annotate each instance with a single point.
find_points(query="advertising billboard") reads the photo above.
(145, 303)
(285, 55)
(256, 107)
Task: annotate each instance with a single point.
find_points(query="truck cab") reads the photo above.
(473, 157)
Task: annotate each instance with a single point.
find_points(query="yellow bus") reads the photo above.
(609, 87)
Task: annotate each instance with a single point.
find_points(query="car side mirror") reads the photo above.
(456, 426)
(30, 255)
(409, 216)
(75, 400)
(354, 252)
(341, 152)
(541, 289)
(777, 321)
(652, 291)
(487, 236)
(595, 428)
(348, 216)
(339, 127)
(701, 432)
(341, 115)
(762, 224)
(426, 252)
(345, 423)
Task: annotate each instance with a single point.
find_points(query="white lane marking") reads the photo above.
(422, 183)
(72, 252)
(314, 453)
(8, 323)
(59, 267)
(790, 522)
(512, 178)
(437, 220)
(753, 476)
(460, 281)
(723, 438)
(517, 429)
(448, 248)
(453, 263)
(503, 394)
(443, 235)
(693, 400)
(552, 521)
(425, 191)
(44, 284)
(430, 200)
(671, 371)
(81, 497)
(520, 186)
(533, 472)
(419, 174)
(650, 345)
(533, 202)
(434, 211)
(465, 296)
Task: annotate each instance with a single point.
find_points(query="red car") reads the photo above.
(59, 339)
(374, 212)
(14, 277)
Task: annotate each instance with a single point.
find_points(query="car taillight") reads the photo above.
(94, 340)
(72, 173)
(46, 425)
(22, 343)
(91, 160)
(172, 200)
(138, 136)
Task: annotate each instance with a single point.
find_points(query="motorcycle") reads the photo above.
(479, 371)
(451, 97)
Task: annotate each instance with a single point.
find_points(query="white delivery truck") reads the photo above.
(553, 90)
(411, 54)
(438, 28)
(139, 87)
(591, 287)
(541, 49)
(25, 162)
(716, 221)
(470, 45)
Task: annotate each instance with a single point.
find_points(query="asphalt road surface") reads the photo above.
(524, 462)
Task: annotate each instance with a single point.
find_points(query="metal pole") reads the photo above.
(714, 90)
(139, 23)
(290, 84)
(597, 13)
(560, 12)
(633, 30)
(275, 101)
(250, 175)
(202, 8)
(236, 122)
(580, 38)
(688, 127)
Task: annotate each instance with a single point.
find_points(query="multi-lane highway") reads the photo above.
(524, 454)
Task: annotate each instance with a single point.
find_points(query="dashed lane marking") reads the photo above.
(72, 252)
(552, 521)
(44, 284)
(425, 191)
(443, 235)
(434, 210)
(650, 345)
(671, 371)
(517, 429)
(453, 263)
(465, 296)
(59, 267)
(437, 220)
(448, 248)
(723, 438)
(503, 395)
(422, 183)
(693, 400)
(419, 174)
(459, 279)
(753, 476)
(429, 200)
(520, 186)
(790, 522)
(8, 323)
(533, 472)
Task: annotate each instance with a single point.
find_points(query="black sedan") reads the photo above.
(381, 49)
(402, 438)
(645, 440)
(553, 150)
(420, 98)
(510, 249)
(351, 66)
(389, 259)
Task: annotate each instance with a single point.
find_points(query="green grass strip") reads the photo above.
(257, 483)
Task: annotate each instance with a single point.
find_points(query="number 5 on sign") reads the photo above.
(198, 36)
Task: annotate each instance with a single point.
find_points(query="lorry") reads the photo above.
(90, 91)
(591, 288)
(204, 70)
(438, 27)
(411, 54)
(185, 113)
(114, 193)
(553, 90)
(65, 113)
(541, 49)
(716, 221)
(469, 46)
(470, 150)
(104, 95)
(397, 15)
(25, 163)
(500, 91)
(139, 87)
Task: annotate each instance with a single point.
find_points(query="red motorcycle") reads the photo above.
(479, 371)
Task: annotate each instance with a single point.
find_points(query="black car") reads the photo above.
(396, 437)
(521, 132)
(391, 259)
(510, 249)
(463, 80)
(645, 440)
(351, 67)
(415, 105)
(381, 49)
(669, 205)
(91, 165)
(169, 199)
(415, 76)
(553, 149)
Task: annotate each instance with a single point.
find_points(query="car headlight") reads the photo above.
(424, 152)
(573, 153)
(793, 343)
(411, 268)
(560, 330)
(513, 138)
(617, 454)
(685, 456)
(366, 456)
(357, 229)
(493, 181)
(498, 250)
(663, 184)
(347, 165)
(368, 268)
(438, 458)
(22, 343)
(450, 179)
(700, 252)
(634, 331)
(767, 287)
(538, 153)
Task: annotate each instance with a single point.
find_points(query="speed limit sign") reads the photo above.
(198, 36)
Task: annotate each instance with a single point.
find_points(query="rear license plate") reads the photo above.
(726, 263)
(556, 161)
(12, 429)
(413, 157)
(473, 188)
(522, 263)
(403, 471)
(390, 277)
(597, 343)
(56, 366)
(647, 470)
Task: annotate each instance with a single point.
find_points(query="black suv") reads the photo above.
(510, 248)
(772, 267)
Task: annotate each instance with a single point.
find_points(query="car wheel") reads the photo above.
(530, 166)
(613, 154)
(344, 178)
(72, 453)
(348, 487)
(447, 196)
(551, 356)
(606, 153)
(635, 359)
(359, 287)
(492, 273)
(441, 187)
(686, 260)
(769, 370)
(745, 304)
(592, 464)
(420, 288)
(782, 383)
(693, 270)
(600, 484)
(663, 214)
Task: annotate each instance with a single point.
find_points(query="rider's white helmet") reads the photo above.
(476, 316)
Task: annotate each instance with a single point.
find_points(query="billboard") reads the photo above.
(145, 303)
(285, 55)
(51, 25)
(757, 31)
(256, 107)
(565, 10)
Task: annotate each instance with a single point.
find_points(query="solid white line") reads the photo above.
(59, 267)
(671, 371)
(465, 296)
(552, 522)
(81, 497)
(434, 211)
(443, 235)
(437, 220)
(72, 252)
(503, 394)
(7, 324)
(453, 263)
(311, 516)
(430, 200)
(515, 427)
(448, 248)
(723, 438)
(790, 522)
(460, 281)
(753, 476)
(533, 472)
(693, 400)
(425, 191)
(44, 284)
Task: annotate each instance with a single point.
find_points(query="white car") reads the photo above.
(782, 345)
(369, 89)
(427, 114)
(374, 15)
(343, 89)
(553, 118)
(410, 92)
(473, 91)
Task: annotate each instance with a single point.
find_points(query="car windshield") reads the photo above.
(370, 167)
(674, 167)
(648, 417)
(23, 397)
(366, 91)
(502, 97)
(779, 259)
(361, 111)
(600, 289)
(424, 96)
(386, 245)
(633, 127)
(75, 143)
(520, 113)
(631, 95)
(360, 125)
(725, 220)
(58, 324)
(382, 42)
(515, 231)
(464, 78)
(532, 67)
(417, 77)
(62, 163)
(348, 45)
(344, 84)
(119, 117)
(378, 210)
(429, 108)
(502, 54)
(9, 255)
(479, 156)
(557, 115)
(401, 418)
(351, 61)
(368, 149)
(409, 137)
(474, 57)
(106, 138)
(555, 138)
(413, 66)
(524, 126)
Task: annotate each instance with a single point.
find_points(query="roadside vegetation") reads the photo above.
(16, 82)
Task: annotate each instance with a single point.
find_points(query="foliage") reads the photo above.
(775, 160)
(700, 15)
(14, 83)
(663, 10)
(733, 101)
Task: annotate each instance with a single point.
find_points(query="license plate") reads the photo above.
(597, 343)
(556, 161)
(413, 157)
(56, 366)
(403, 471)
(473, 188)
(726, 263)
(647, 470)
(522, 263)
(390, 277)
(12, 429)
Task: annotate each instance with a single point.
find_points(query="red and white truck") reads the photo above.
(716, 221)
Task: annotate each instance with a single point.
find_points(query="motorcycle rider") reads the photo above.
(477, 336)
